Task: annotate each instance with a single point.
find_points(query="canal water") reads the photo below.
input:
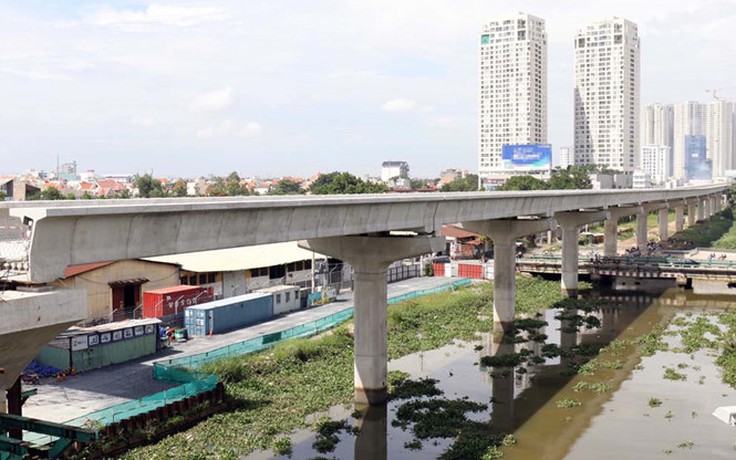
(614, 421)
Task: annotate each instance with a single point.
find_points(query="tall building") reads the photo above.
(688, 120)
(655, 162)
(394, 169)
(567, 157)
(607, 77)
(719, 133)
(697, 166)
(657, 127)
(513, 88)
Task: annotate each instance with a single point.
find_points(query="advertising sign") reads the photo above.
(529, 157)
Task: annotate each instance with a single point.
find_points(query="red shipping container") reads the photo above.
(474, 271)
(158, 303)
(438, 269)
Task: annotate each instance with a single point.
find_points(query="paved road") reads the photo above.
(101, 388)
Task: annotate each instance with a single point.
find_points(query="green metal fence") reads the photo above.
(184, 370)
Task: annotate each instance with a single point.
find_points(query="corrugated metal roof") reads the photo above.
(236, 259)
(74, 270)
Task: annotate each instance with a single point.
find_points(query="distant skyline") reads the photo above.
(274, 88)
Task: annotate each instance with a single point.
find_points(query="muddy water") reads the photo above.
(614, 424)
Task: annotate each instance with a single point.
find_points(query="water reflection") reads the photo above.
(502, 389)
(371, 441)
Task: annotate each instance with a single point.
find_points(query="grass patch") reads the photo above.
(278, 388)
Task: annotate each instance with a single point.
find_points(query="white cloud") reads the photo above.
(399, 105)
(229, 127)
(251, 129)
(146, 122)
(404, 105)
(180, 16)
(213, 101)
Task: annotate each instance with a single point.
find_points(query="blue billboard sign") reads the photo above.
(527, 157)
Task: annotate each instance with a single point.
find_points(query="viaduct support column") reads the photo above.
(714, 208)
(641, 229)
(610, 228)
(679, 218)
(691, 212)
(663, 221)
(701, 209)
(370, 257)
(504, 233)
(570, 222)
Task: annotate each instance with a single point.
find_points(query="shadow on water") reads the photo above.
(522, 399)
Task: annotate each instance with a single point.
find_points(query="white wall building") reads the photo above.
(641, 179)
(391, 169)
(655, 161)
(657, 127)
(688, 119)
(607, 77)
(719, 134)
(513, 87)
(567, 157)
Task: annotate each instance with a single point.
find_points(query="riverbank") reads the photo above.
(276, 390)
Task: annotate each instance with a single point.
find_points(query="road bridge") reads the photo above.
(362, 230)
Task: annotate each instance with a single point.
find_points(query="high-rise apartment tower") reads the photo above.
(513, 87)
(607, 78)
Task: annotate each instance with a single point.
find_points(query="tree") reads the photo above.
(3, 195)
(217, 188)
(417, 184)
(344, 183)
(468, 183)
(180, 188)
(287, 187)
(523, 183)
(573, 177)
(233, 186)
(49, 193)
(148, 187)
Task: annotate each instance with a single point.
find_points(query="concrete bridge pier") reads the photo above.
(701, 209)
(642, 222)
(504, 233)
(663, 221)
(610, 228)
(370, 257)
(691, 211)
(679, 218)
(570, 222)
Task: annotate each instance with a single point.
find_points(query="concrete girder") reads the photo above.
(570, 223)
(370, 257)
(70, 233)
(504, 233)
(30, 320)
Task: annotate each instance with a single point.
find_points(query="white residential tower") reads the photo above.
(513, 88)
(607, 77)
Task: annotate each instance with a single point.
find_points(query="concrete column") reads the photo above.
(679, 218)
(570, 223)
(504, 233)
(610, 237)
(691, 212)
(370, 257)
(663, 221)
(713, 205)
(641, 230)
(701, 209)
(610, 227)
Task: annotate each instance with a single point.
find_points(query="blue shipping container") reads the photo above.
(228, 314)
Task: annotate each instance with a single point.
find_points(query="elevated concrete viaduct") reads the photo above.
(356, 228)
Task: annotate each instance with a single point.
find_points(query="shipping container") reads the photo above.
(474, 271)
(172, 300)
(285, 298)
(86, 348)
(228, 314)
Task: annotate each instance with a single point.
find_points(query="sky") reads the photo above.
(271, 87)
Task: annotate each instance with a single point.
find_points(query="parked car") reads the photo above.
(441, 260)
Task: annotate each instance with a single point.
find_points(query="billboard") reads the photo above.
(531, 157)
